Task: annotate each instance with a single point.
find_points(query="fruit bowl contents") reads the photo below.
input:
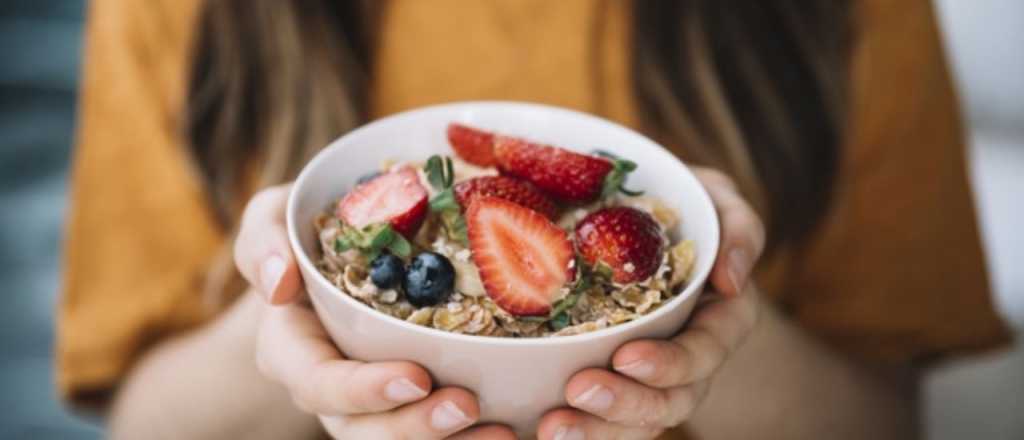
(510, 238)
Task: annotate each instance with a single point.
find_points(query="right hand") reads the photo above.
(352, 399)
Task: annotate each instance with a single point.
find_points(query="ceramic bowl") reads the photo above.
(515, 380)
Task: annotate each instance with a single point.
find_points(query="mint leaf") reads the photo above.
(435, 172)
(382, 237)
(342, 244)
(602, 271)
(444, 201)
(455, 225)
(449, 172)
(373, 239)
(566, 303)
(559, 322)
(399, 246)
(440, 172)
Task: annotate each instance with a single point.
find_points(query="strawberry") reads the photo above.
(517, 191)
(472, 145)
(523, 257)
(627, 240)
(566, 175)
(396, 197)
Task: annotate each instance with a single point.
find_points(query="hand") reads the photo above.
(352, 399)
(659, 383)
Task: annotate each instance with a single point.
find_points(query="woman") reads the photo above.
(836, 119)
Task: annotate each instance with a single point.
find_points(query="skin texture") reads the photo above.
(300, 384)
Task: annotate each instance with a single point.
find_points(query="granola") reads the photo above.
(598, 288)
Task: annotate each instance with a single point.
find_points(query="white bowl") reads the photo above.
(516, 380)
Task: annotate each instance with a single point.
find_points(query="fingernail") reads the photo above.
(596, 399)
(569, 433)
(402, 390)
(639, 369)
(739, 268)
(270, 274)
(447, 416)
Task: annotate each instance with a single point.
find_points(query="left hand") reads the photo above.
(659, 383)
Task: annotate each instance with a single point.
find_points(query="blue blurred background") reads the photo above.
(39, 60)
(39, 63)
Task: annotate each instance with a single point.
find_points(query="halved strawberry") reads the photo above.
(523, 257)
(507, 188)
(472, 145)
(628, 240)
(396, 197)
(566, 175)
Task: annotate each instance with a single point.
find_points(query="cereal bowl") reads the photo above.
(515, 379)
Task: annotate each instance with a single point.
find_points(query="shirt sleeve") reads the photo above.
(896, 272)
(139, 234)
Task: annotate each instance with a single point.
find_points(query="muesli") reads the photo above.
(510, 238)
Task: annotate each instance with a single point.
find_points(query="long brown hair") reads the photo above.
(754, 88)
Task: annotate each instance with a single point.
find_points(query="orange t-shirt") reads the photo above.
(895, 273)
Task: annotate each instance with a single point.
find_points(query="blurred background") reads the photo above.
(976, 398)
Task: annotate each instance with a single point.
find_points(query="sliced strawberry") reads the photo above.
(396, 197)
(628, 240)
(566, 175)
(472, 145)
(523, 257)
(507, 188)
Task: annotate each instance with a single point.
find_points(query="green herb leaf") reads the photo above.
(559, 322)
(566, 303)
(381, 237)
(585, 278)
(444, 201)
(373, 239)
(449, 172)
(399, 246)
(435, 172)
(342, 244)
(455, 226)
(602, 271)
(441, 174)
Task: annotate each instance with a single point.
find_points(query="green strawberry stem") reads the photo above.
(616, 178)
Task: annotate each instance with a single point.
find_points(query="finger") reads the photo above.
(717, 329)
(618, 399)
(262, 253)
(485, 432)
(570, 424)
(743, 234)
(295, 350)
(442, 414)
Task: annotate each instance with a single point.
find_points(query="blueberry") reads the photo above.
(367, 177)
(429, 280)
(387, 271)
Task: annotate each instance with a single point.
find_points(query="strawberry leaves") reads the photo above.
(616, 178)
(441, 175)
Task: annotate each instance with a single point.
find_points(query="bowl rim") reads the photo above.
(697, 279)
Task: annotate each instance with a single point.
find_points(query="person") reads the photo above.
(836, 120)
